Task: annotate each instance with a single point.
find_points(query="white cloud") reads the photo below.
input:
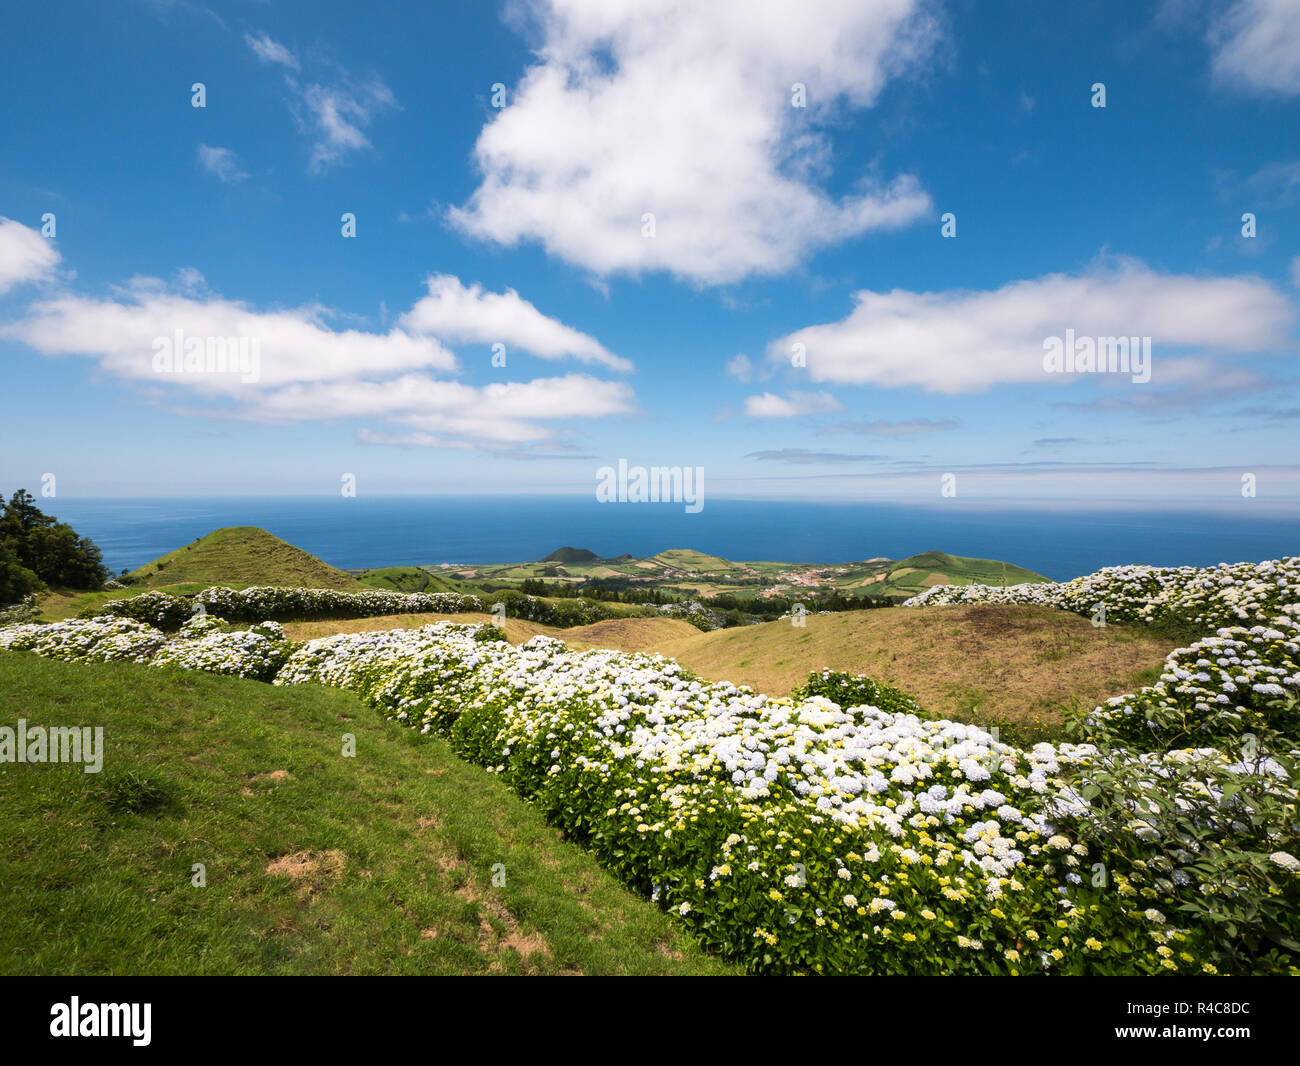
(306, 371)
(455, 312)
(966, 341)
(25, 256)
(503, 413)
(682, 110)
(294, 345)
(770, 405)
(269, 51)
(222, 162)
(1256, 47)
(191, 280)
(740, 368)
(886, 428)
(409, 440)
(334, 113)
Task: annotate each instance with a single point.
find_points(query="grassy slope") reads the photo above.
(243, 555)
(693, 561)
(1016, 667)
(238, 556)
(403, 837)
(407, 579)
(907, 577)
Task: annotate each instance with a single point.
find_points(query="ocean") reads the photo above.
(394, 530)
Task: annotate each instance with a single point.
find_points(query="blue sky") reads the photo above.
(774, 225)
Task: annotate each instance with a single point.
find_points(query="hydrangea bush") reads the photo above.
(1239, 682)
(796, 835)
(1224, 595)
(1213, 830)
(858, 690)
(161, 610)
(86, 640)
(168, 611)
(25, 610)
(843, 831)
(255, 653)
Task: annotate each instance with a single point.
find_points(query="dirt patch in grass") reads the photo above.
(498, 929)
(274, 775)
(309, 870)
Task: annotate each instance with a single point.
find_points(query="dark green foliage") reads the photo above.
(850, 690)
(37, 550)
(571, 555)
(133, 792)
(16, 581)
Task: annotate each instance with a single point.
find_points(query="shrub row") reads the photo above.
(167, 611)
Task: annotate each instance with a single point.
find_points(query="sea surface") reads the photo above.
(393, 530)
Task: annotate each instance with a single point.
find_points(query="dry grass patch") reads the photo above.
(311, 871)
(983, 663)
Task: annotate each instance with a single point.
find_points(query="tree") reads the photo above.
(16, 581)
(37, 550)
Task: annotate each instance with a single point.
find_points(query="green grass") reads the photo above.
(242, 555)
(392, 851)
(406, 579)
(692, 561)
(921, 570)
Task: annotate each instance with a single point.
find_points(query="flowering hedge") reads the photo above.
(260, 602)
(1223, 595)
(93, 640)
(257, 653)
(794, 834)
(834, 835)
(1240, 682)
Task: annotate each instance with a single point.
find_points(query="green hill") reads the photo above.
(907, 577)
(242, 555)
(571, 555)
(313, 863)
(407, 579)
(690, 561)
